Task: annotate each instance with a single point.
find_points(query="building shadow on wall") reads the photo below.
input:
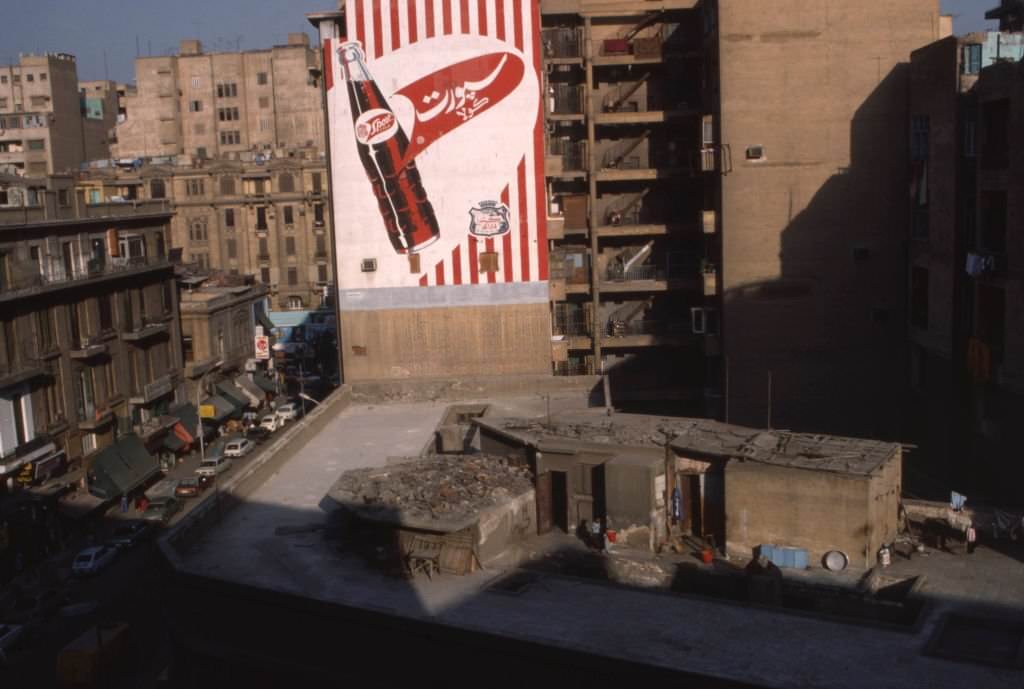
(821, 348)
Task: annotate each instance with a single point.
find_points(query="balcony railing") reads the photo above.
(644, 327)
(574, 368)
(561, 43)
(573, 326)
(53, 271)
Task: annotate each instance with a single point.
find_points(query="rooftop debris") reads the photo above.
(443, 491)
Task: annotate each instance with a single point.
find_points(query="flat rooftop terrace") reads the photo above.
(691, 634)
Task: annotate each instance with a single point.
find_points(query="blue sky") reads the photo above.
(103, 34)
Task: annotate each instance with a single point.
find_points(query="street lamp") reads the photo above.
(308, 398)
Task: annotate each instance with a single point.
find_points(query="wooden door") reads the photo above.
(544, 503)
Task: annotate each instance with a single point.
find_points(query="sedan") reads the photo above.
(131, 534)
(238, 447)
(161, 510)
(93, 560)
(192, 487)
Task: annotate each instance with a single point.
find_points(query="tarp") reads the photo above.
(121, 468)
(253, 391)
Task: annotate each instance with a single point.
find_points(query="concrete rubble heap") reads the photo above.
(442, 489)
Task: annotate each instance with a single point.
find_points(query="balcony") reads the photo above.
(24, 368)
(154, 390)
(29, 279)
(148, 328)
(645, 333)
(649, 278)
(640, 230)
(642, 117)
(95, 418)
(34, 449)
(88, 348)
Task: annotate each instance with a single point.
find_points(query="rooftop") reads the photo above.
(701, 438)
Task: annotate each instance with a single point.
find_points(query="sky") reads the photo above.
(106, 35)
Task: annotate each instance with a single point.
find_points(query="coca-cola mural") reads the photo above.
(436, 143)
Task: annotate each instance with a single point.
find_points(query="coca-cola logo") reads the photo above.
(376, 126)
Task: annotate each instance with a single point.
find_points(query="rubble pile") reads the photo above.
(442, 488)
(652, 432)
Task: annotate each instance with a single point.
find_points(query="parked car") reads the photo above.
(10, 634)
(257, 434)
(238, 447)
(250, 418)
(212, 466)
(131, 534)
(192, 487)
(161, 510)
(271, 422)
(93, 560)
(290, 411)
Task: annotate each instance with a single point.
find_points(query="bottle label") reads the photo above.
(376, 126)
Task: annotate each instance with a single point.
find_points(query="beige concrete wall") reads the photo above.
(465, 341)
(153, 120)
(803, 509)
(884, 495)
(822, 87)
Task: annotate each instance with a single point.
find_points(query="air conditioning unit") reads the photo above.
(369, 265)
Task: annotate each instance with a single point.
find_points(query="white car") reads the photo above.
(214, 465)
(93, 560)
(288, 412)
(238, 447)
(9, 635)
(271, 422)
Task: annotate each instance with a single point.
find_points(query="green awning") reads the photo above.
(221, 406)
(265, 382)
(189, 416)
(232, 394)
(121, 468)
(264, 320)
(172, 442)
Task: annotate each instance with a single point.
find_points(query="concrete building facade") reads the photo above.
(266, 218)
(91, 342)
(42, 127)
(220, 105)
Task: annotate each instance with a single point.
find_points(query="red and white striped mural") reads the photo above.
(462, 78)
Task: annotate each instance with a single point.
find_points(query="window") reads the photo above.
(972, 58)
(3, 80)
(39, 101)
(264, 250)
(264, 102)
(160, 245)
(289, 215)
(195, 82)
(919, 135)
(16, 79)
(232, 248)
(54, 391)
(321, 273)
(157, 189)
(261, 218)
(197, 230)
(265, 275)
(86, 395)
(106, 310)
(127, 314)
(318, 214)
(285, 182)
(88, 443)
(227, 114)
(201, 260)
(293, 276)
(111, 379)
(321, 246)
(3, 103)
(141, 299)
(232, 138)
(186, 348)
(289, 246)
(919, 297)
(317, 184)
(42, 76)
(229, 217)
(265, 124)
(195, 187)
(227, 186)
(167, 296)
(295, 303)
(227, 90)
(30, 78)
(195, 106)
(44, 330)
(261, 78)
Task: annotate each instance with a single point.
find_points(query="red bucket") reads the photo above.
(707, 555)
(610, 533)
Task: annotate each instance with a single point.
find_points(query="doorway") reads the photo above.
(560, 500)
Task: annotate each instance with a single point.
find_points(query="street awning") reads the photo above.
(222, 408)
(253, 391)
(173, 443)
(263, 319)
(121, 468)
(264, 382)
(231, 393)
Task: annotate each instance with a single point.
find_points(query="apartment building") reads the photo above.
(723, 215)
(91, 342)
(220, 105)
(42, 127)
(102, 107)
(264, 216)
(965, 356)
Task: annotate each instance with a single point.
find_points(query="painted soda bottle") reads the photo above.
(408, 215)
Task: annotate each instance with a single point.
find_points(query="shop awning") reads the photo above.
(264, 320)
(121, 468)
(231, 393)
(173, 443)
(264, 382)
(222, 408)
(253, 391)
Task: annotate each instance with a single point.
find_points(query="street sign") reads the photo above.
(207, 411)
(262, 347)
(259, 330)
